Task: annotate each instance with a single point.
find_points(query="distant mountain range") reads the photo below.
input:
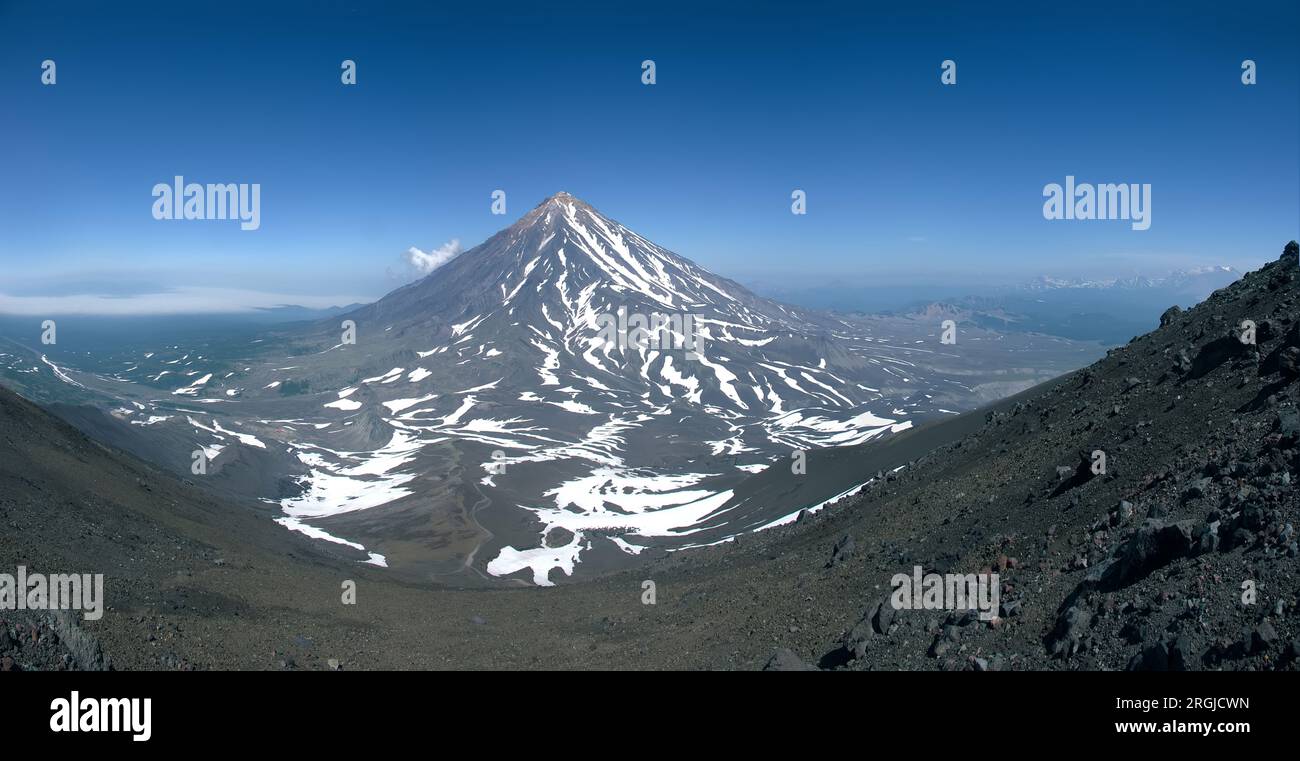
(294, 312)
(1110, 309)
(1201, 280)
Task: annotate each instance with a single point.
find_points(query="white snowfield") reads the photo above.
(193, 388)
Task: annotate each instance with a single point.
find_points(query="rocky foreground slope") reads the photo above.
(1146, 566)
(1182, 555)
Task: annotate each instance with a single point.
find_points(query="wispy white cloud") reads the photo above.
(424, 262)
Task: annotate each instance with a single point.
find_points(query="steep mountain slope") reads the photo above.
(69, 505)
(1181, 555)
(503, 418)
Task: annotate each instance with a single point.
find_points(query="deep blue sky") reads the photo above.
(908, 181)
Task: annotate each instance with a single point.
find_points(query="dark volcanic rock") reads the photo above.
(1288, 423)
(1155, 544)
(1263, 637)
(786, 660)
(841, 552)
(558, 536)
(855, 641)
(1289, 362)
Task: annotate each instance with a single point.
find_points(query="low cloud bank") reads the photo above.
(181, 300)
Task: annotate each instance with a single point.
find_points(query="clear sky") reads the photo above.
(907, 180)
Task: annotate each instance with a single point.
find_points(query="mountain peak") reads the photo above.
(562, 203)
(563, 197)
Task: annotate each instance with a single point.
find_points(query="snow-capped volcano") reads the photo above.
(566, 392)
(550, 296)
(562, 251)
